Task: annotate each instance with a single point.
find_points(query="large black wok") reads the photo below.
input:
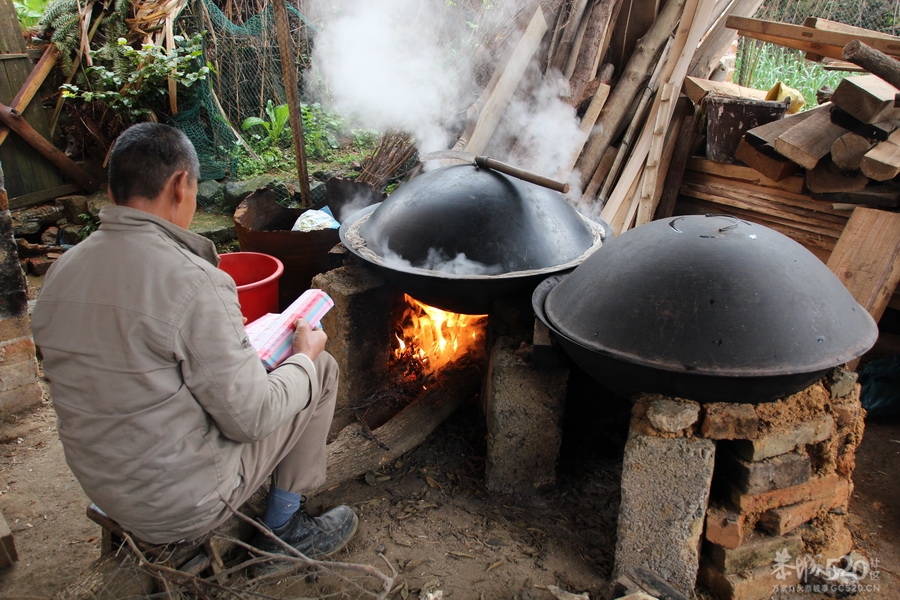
(460, 237)
(709, 308)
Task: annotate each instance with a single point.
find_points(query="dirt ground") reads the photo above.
(430, 516)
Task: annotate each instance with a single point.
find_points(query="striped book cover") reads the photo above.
(271, 334)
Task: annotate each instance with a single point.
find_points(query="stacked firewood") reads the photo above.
(630, 114)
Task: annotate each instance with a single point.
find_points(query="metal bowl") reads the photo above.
(460, 237)
(710, 308)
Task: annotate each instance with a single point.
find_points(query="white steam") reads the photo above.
(437, 260)
(418, 65)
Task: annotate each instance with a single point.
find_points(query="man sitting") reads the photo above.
(165, 410)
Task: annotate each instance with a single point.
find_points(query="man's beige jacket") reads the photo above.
(153, 380)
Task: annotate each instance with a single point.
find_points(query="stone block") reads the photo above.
(19, 374)
(73, 207)
(841, 382)
(816, 488)
(828, 538)
(38, 265)
(784, 519)
(724, 421)
(524, 411)
(754, 477)
(19, 400)
(359, 328)
(664, 494)
(7, 544)
(672, 416)
(757, 551)
(783, 441)
(724, 527)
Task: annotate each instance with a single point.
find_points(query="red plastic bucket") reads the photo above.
(256, 276)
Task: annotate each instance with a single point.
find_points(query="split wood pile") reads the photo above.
(816, 175)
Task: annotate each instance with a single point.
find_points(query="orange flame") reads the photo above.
(434, 338)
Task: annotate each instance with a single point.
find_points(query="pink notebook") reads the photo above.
(271, 334)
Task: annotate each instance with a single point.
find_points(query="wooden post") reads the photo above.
(289, 73)
(875, 62)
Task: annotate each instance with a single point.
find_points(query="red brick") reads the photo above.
(784, 440)
(16, 375)
(724, 527)
(755, 477)
(782, 520)
(749, 585)
(18, 350)
(724, 421)
(39, 265)
(814, 489)
(757, 551)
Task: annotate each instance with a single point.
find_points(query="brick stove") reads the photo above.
(738, 497)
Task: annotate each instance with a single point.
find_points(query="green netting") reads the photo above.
(247, 73)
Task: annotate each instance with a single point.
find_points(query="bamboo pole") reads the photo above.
(289, 72)
(622, 97)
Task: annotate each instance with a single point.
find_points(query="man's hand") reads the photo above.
(308, 341)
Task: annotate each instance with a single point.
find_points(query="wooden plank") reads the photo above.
(810, 140)
(493, 110)
(44, 195)
(697, 89)
(875, 194)
(768, 133)
(882, 162)
(814, 40)
(867, 258)
(828, 25)
(765, 160)
(32, 84)
(867, 98)
(749, 175)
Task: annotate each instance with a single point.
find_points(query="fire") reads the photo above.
(434, 338)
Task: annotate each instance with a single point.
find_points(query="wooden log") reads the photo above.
(489, 116)
(765, 160)
(14, 121)
(355, 451)
(661, 155)
(868, 98)
(847, 151)
(883, 161)
(633, 22)
(688, 143)
(867, 258)
(826, 176)
(584, 128)
(596, 38)
(807, 142)
(622, 96)
(568, 34)
(30, 87)
(875, 62)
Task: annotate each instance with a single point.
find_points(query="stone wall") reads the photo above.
(19, 387)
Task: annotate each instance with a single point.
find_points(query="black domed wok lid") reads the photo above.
(690, 304)
(460, 237)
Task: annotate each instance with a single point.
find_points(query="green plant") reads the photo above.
(133, 82)
(763, 65)
(320, 131)
(89, 225)
(29, 12)
(275, 127)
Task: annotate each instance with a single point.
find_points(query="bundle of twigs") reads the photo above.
(394, 150)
